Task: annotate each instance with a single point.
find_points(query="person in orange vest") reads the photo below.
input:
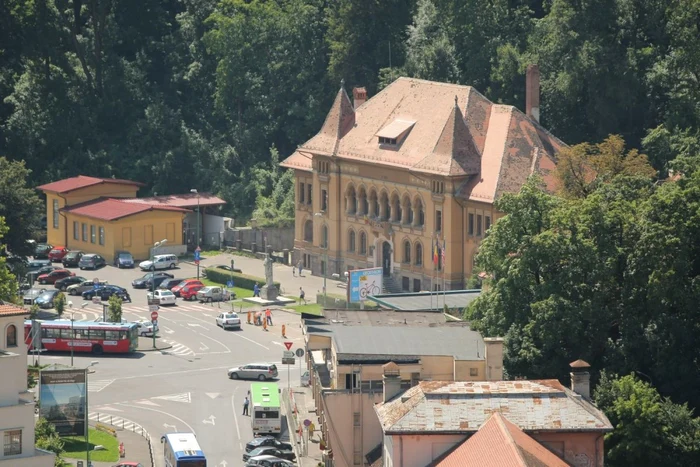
(264, 325)
(249, 316)
(284, 331)
(268, 316)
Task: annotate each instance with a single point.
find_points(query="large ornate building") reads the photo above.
(418, 165)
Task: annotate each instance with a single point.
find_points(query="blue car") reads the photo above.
(123, 259)
(45, 300)
(106, 291)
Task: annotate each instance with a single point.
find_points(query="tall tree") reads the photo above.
(20, 206)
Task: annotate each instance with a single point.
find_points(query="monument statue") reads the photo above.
(268, 270)
(269, 291)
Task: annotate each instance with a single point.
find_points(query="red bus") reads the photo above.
(60, 335)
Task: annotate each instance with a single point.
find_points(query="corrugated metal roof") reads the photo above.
(81, 181)
(463, 406)
(185, 200)
(426, 300)
(111, 209)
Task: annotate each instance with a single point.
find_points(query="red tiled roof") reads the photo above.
(81, 181)
(500, 443)
(185, 200)
(8, 309)
(110, 209)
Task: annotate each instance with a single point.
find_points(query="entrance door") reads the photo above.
(386, 258)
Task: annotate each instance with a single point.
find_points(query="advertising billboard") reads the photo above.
(62, 400)
(363, 283)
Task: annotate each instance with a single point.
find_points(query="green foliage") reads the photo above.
(34, 311)
(221, 276)
(47, 438)
(8, 282)
(274, 205)
(114, 309)
(648, 430)
(19, 205)
(59, 303)
(74, 446)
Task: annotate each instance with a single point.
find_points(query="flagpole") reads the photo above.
(444, 272)
(432, 261)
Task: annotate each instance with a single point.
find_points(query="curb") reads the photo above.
(151, 349)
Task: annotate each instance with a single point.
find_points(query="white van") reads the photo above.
(159, 262)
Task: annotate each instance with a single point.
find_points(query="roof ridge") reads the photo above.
(499, 419)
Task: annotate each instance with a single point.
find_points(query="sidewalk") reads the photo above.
(136, 446)
(281, 273)
(304, 403)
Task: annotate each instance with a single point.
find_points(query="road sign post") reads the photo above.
(300, 353)
(154, 320)
(198, 250)
(288, 359)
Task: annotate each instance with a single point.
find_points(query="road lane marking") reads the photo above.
(211, 419)
(213, 395)
(99, 385)
(204, 346)
(185, 397)
(146, 402)
(235, 417)
(169, 415)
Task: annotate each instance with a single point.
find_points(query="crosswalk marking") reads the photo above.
(182, 397)
(119, 422)
(99, 385)
(177, 349)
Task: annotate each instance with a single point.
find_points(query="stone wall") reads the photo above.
(247, 237)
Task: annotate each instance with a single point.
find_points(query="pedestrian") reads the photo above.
(256, 291)
(294, 271)
(245, 405)
(268, 316)
(299, 268)
(302, 296)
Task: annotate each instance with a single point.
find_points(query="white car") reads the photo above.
(164, 297)
(228, 320)
(146, 328)
(159, 262)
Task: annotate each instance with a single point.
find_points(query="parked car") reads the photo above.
(57, 253)
(305, 379)
(37, 264)
(129, 464)
(46, 298)
(267, 441)
(72, 259)
(177, 290)
(168, 284)
(213, 294)
(31, 295)
(106, 291)
(123, 259)
(270, 451)
(63, 284)
(228, 320)
(261, 371)
(53, 276)
(91, 261)
(43, 270)
(146, 281)
(164, 297)
(268, 461)
(42, 251)
(78, 289)
(146, 328)
(159, 262)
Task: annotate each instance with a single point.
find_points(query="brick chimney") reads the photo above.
(391, 380)
(581, 378)
(493, 355)
(532, 92)
(359, 96)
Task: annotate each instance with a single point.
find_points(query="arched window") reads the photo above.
(419, 255)
(11, 335)
(373, 204)
(406, 211)
(350, 200)
(395, 208)
(419, 217)
(308, 231)
(362, 202)
(363, 243)
(407, 252)
(384, 207)
(351, 241)
(324, 236)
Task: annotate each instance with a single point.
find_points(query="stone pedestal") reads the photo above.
(269, 292)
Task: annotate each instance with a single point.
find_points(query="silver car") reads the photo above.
(213, 294)
(261, 371)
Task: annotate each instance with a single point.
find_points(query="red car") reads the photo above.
(53, 276)
(188, 289)
(57, 253)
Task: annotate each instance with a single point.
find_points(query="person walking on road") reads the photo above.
(245, 405)
(256, 291)
(268, 316)
(302, 296)
(294, 270)
(299, 268)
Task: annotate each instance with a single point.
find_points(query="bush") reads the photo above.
(106, 429)
(115, 309)
(59, 303)
(222, 276)
(34, 311)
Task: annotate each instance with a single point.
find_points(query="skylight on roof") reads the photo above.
(395, 132)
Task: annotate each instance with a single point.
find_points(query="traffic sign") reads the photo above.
(288, 361)
(288, 345)
(229, 284)
(197, 256)
(287, 354)
(153, 308)
(154, 315)
(96, 300)
(307, 422)
(300, 352)
(96, 280)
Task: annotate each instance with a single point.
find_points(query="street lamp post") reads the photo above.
(325, 261)
(87, 419)
(194, 190)
(153, 280)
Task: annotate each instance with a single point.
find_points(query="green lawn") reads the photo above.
(240, 293)
(75, 447)
(312, 308)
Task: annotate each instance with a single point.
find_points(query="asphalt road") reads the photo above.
(186, 387)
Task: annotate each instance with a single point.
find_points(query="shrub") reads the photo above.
(106, 429)
(34, 311)
(222, 276)
(59, 303)
(115, 309)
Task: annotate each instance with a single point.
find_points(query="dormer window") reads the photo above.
(394, 133)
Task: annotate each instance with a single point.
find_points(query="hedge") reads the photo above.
(222, 276)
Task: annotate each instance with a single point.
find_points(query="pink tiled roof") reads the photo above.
(463, 406)
(110, 209)
(8, 309)
(184, 200)
(81, 181)
(493, 147)
(500, 443)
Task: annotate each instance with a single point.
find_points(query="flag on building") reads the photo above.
(444, 248)
(435, 251)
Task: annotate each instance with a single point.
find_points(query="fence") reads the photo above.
(293, 424)
(126, 425)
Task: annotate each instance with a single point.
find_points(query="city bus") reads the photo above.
(182, 450)
(61, 335)
(265, 416)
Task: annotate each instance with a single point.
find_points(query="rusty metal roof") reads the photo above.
(464, 406)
